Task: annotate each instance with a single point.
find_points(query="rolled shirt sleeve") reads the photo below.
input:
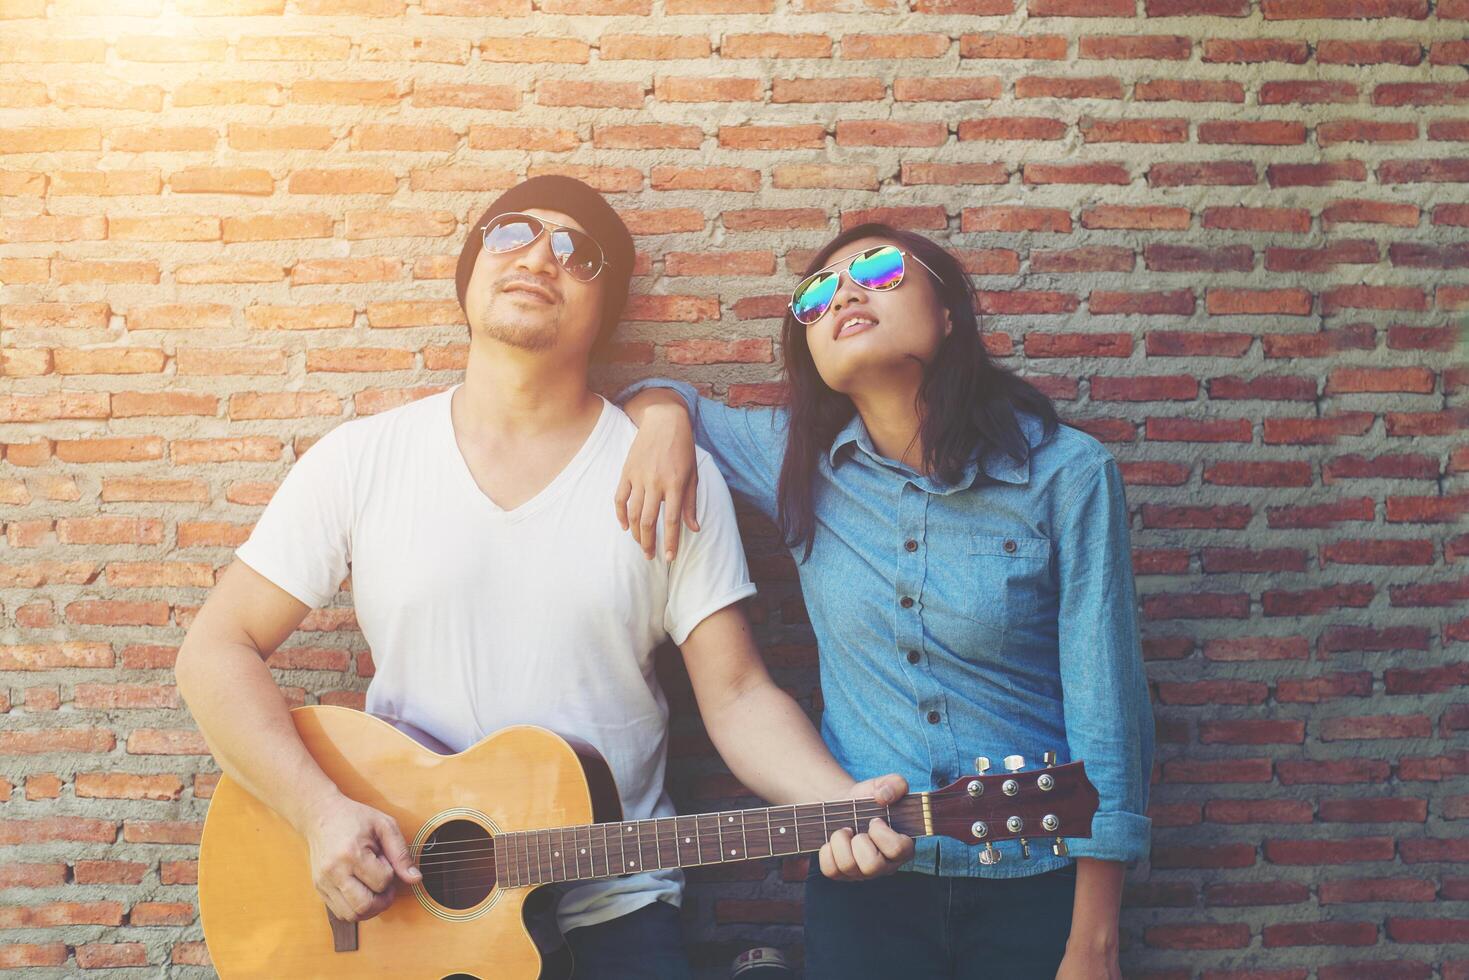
(1108, 714)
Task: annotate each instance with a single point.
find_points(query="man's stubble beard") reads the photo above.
(529, 337)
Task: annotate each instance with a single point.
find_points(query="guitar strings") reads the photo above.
(867, 810)
(705, 835)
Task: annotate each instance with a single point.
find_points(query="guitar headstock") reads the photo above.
(1054, 802)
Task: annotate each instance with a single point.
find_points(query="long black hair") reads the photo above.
(966, 401)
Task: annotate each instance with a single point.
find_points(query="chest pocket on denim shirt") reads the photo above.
(1008, 573)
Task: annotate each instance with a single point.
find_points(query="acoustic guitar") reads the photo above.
(522, 809)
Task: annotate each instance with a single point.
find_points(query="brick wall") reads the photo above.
(1228, 236)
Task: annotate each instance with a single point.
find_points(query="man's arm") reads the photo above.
(221, 674)
(770, 745)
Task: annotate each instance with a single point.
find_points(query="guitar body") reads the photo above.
(262, 916)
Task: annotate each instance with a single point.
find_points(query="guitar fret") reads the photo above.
(587, 853)
(823, 832)
(763, 814)
(584, 852)
(686, 838)
(705, 822)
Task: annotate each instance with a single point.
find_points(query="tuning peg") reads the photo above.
(989, 855)
(982, 764)
(1049, 757)
(1024, 849)
(1059, 848)
(1014, 763)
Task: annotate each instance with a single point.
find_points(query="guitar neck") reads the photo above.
(606, 850)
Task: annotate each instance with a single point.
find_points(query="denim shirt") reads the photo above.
(983, 618)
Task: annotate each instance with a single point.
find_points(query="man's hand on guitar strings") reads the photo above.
(358, 855)
(879, 851)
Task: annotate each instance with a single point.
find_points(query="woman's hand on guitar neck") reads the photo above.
(358, 855)
(879, 851)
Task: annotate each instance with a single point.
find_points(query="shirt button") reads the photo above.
(910, 545)
(1010, 547)
(913, 657)
(934, 717)
(906, 602)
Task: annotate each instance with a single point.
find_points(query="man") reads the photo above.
(495, 587)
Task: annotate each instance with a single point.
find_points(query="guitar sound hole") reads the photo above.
(458, 864)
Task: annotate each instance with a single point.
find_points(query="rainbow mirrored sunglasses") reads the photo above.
(576, 251)
(874, 268)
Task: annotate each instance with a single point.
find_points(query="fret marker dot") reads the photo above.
(733, 852)
(687, 839)
(632, 864)
(583, 850)
(555, 854)
(731, 819)
(782, 830)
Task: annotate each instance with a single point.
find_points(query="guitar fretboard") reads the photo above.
(604, 850)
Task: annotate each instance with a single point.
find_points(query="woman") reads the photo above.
(966, 564)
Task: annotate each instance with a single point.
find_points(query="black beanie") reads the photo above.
(591, 210)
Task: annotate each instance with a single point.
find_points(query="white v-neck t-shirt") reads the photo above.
(479, 617)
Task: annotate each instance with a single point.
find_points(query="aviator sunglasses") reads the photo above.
(576, 251)
(876, 268)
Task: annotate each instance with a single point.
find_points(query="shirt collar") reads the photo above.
(997, 464)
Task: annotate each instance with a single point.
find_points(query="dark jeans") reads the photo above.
(645, 944)
(924, 927)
